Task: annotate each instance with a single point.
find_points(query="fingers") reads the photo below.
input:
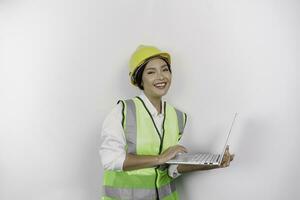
(227, 158)
(181, 149)
(173, 151)
(231, 157)
(225, 163)
(227, 153)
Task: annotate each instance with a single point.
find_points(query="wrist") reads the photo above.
(159, 160)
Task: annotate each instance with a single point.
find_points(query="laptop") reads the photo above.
(202, 158)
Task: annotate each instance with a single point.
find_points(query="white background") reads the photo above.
(63, 66)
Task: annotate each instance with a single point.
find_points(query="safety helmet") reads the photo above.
(142, 54)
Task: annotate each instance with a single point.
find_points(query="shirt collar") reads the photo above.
(150, 106)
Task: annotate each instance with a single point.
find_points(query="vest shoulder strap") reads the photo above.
(182, 119)
(123, 112)
(129, 124)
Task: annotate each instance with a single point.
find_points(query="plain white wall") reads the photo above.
(63, 66)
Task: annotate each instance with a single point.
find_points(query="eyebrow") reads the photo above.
(152, 68)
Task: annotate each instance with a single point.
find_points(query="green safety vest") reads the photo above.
(143, 138)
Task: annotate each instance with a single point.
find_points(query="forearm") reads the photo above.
(133, 162)
(191, 168)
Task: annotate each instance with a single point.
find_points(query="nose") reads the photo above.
(160, 76)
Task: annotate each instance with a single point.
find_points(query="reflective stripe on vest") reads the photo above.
(130, 130)
(134, 193)
(181, 122)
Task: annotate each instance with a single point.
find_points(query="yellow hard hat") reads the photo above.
(141, 55)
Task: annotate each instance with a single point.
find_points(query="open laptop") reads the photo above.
(202, 158)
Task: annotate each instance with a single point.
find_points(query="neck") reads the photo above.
(156, 102)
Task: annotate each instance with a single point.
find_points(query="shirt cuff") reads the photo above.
(172, 171)
(116, 164)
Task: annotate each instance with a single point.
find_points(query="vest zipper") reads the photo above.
(161, 138)
(163, 130)
(156, 188)
(160, 149)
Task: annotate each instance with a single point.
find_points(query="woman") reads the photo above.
(141, 134)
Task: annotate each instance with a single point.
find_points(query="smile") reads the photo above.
(160, 85)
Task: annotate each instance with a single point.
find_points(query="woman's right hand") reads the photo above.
(171, 152)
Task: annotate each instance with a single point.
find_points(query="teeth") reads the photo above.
(160, 84)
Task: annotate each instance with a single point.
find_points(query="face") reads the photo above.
(156, 78)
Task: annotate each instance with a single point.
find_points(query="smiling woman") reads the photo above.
(157, 78)
(141, 134)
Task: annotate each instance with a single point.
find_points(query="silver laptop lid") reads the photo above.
(224, 149)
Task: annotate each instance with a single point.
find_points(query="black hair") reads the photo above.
(138, 73)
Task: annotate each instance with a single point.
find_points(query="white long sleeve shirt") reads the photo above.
(112, 150)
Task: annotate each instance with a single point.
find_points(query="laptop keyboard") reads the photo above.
(200, 158)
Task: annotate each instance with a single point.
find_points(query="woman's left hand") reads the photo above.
(227, 158)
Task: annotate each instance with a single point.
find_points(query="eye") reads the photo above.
(166, 69)
(150, 72)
